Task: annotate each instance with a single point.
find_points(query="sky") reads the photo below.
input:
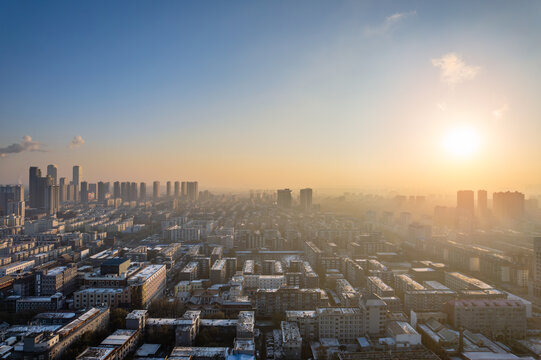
(271, 94)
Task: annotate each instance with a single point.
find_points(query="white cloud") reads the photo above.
(500, 112)
(76, 142)
(26, 145)
(442, 106)
(454, 70)
(387, 25)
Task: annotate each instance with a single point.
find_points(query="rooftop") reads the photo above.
(115, 261)
(290, 331)
(119, 337)
(147, 349)
(486, 303)
(218, 264)
(338, 311)
(57, 270)
(95, 353)
(401, 327)
(471, 280)
(146, 273)
(181, 351)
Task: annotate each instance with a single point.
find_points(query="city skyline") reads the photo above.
(344, 96)
(270, 180)
(163, 184)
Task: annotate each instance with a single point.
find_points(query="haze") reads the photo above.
(265, 95)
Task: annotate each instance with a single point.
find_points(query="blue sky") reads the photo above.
(280, 92)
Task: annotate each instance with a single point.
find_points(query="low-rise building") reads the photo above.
(291, 340)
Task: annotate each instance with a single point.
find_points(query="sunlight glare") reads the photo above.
(461, 141)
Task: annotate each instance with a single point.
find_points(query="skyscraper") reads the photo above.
(183, 190)
(156, 190)
(34, 175)
(43, 201)
(465, 202)
(52, 171)
(192, 189)
(12, 195)
(143, 191)
(133, 191)
(168, 189)
(177, 189)
(62, 191)
(482, 202)
(77, 178)
(508, 205)
(465, 205)
(84, 192)
(306, 198)
(284, 198)
(125, 191)
(70, 192)
(101, 192)
(77, 175)
(537, 266)
(92, 190)
(116, 189)
(51, 197)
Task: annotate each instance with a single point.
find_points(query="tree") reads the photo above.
(89, 338)
(163, 308)
(117, 319)
(163, 335)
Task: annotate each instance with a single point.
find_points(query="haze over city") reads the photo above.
(270, 180)
(415, 95)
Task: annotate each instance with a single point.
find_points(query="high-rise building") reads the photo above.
(42, 192)
(284, 198)
(156, 190)
(116, 189)
(52, 171)
(508, 206)
(125, 191)
(70, 192)
(306, 198)
(62, 190)
(34, 175)
(84, 192)
(482, 202)
(77, 192)
(77, 175)
(51, 197)
(177, 189)
(133, 191)
(16, 208)
(92, 189)
(465, 206)
(12, 195)
(168, 189)
(142, 191)
(192, 190)
(101, 192)
(465, 202)
(183, 190)
(537, 266)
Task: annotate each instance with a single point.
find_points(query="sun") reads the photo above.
(461, 141)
